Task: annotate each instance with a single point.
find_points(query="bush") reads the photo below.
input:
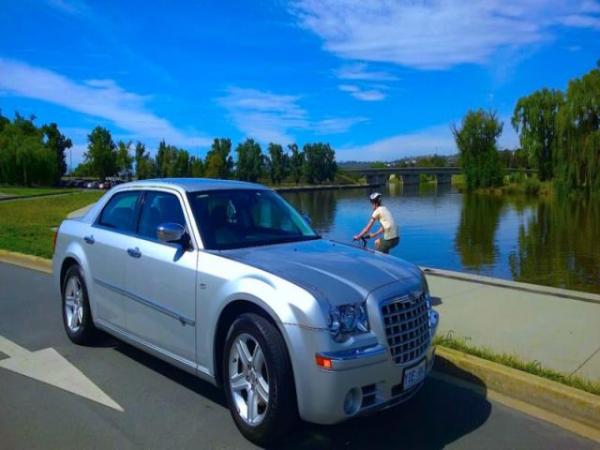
(532, 186)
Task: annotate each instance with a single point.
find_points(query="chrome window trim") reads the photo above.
(182, 202)
(149, 303)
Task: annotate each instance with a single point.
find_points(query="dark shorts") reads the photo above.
(385, 245)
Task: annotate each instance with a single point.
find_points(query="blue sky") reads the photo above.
(378, 80)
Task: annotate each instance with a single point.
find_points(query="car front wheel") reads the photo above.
(258, 380)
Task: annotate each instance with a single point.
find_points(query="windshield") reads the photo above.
(244, 218)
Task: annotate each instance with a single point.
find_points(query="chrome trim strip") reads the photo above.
(149, 303)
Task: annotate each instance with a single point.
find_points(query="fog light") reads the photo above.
(352, 401)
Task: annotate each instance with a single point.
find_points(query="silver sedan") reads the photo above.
(229, 282)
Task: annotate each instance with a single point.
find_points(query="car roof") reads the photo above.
(193, 184)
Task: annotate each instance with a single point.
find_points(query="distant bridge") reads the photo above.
(412, 175)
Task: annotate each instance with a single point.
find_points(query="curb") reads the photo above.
(563, 401)
(510, 284)
(26, 261)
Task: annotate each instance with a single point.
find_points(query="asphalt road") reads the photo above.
(164, 407)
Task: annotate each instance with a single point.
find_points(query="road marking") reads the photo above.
(531, 410)
(50, 367)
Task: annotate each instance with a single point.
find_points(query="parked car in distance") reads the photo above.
(229, 282)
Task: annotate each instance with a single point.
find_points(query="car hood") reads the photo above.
(332, 271)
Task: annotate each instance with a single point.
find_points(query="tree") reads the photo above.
(277, 163)
(319, 163)
(196, 167)
(534, 118)
(124, 160)
(249, 160)
(145, 166)
(476, 140)
(57, 143)
(578, 135)
(296, 163)
(101, 154)
(25, 158)
(218, 159)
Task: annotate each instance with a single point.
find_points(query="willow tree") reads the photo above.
(534, 118)
(476, 139)
(578, 126)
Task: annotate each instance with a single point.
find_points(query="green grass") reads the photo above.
(532, 367)
(25, 225)
(23, 191)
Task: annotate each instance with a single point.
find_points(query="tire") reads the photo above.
(76, 312)
(271, 419)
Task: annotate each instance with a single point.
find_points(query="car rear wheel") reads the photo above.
(258, 380)
(77, 316)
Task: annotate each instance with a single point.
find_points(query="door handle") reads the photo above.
(134, 252)
(89, 239)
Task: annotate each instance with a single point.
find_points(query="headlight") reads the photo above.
(347, 320)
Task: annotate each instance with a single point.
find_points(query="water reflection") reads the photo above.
(560, 245)
(475, 236)
(319, 206)
(546, 241)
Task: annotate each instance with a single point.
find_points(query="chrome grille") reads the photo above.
(406, 322)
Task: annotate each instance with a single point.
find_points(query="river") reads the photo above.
(548, 241)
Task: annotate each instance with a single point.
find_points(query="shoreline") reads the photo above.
(325, 187)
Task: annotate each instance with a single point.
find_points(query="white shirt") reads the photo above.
(390, 231)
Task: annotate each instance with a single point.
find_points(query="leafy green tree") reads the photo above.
(124, 159)
(249, 160)
(196, 167)
(25, 159)
(56, 142)
(101, 154)
(182, 163)
(319, 163)
(476, 140)
(578, 129)
(296, 163)
(145, 166)
(277, 163)
(219, 162)
(534, 118)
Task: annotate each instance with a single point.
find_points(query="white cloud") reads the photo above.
(361, 71)
(73, 7)
(367, 95)
(436, 139)
(337, 125)
(270, 117)
(437, 34)
(99, 98)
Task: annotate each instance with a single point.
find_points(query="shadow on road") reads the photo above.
(439, 414)
(179, 376)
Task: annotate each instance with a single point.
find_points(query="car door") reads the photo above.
(106, 247)
(161, 278)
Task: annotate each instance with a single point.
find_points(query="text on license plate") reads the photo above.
(414, 375)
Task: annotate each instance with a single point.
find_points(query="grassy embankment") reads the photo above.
(12, 191)
(532, 367)
(26, 225)
(513, 184)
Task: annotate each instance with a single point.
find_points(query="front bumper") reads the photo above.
(369, 372)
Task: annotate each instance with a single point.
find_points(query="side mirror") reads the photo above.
(170, 232)
(307, 218)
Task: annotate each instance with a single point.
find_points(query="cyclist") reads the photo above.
(388, 226)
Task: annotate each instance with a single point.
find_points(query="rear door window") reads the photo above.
(120, 212)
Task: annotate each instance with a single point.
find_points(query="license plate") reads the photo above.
(414, 375)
